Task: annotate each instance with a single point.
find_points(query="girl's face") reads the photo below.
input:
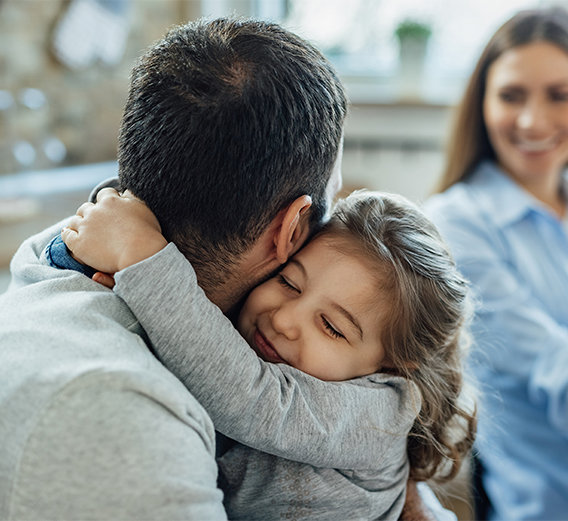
(526, 113)
(321, 314)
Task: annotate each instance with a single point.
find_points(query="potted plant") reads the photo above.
(413, 37)
(413, 30)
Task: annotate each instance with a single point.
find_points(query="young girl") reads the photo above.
(367, 318)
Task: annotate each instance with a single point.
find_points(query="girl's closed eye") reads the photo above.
(333, 332)
(283, 281)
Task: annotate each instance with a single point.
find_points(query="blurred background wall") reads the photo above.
(64, 75)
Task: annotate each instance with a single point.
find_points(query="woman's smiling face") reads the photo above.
(525, 109)
(321, 314)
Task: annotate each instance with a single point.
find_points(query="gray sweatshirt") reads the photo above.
(92, 425)
(308, 448)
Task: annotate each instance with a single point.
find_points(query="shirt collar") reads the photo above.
(501, 196)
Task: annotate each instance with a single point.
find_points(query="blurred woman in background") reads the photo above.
(502, 207)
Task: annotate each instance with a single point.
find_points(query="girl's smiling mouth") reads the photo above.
(265, 349)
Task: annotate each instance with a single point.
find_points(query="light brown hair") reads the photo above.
(469, 142)
(425, 337)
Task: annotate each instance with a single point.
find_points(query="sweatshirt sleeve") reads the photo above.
(270, 407)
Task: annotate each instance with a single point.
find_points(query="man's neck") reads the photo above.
(226, 286)
(225, 293)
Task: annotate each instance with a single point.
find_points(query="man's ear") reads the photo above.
(295, 228)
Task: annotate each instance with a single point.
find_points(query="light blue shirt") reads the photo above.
(515, 253)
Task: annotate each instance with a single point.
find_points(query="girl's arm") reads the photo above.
(272, 408)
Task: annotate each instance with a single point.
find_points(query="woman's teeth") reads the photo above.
(537, 146)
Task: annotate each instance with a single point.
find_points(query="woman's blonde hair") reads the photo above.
(469, 142)
(424, 335)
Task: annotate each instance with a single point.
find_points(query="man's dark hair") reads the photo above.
(227, 122)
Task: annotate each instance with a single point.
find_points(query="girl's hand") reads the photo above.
(116, 232)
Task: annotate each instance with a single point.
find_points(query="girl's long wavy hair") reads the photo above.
(425, 334)
(469, 141)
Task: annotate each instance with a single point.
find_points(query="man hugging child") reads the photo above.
(346, 378)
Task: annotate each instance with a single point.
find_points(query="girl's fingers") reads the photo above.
(104, 278)
(69, 237)
(106, 192)
(83, 209)
(74, 223)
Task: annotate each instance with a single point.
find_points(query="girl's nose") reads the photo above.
(285, 320)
